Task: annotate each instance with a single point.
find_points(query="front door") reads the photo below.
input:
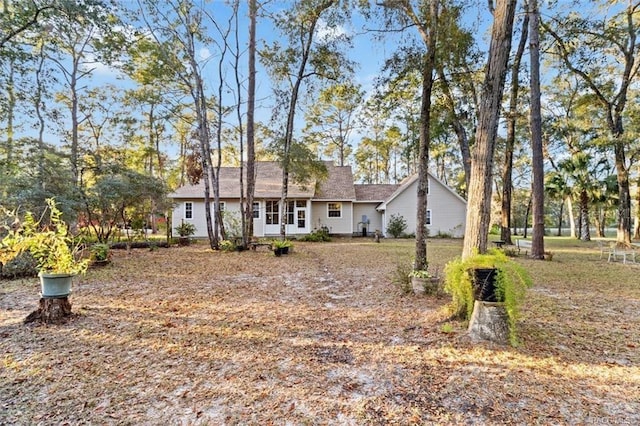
(302, 218)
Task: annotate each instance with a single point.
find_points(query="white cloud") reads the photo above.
(204, 54)
(326, 33)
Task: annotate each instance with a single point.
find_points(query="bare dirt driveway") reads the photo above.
(321, 336)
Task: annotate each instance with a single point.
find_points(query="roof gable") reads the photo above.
(408, 181)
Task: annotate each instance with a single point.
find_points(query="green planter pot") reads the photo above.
(55, 285)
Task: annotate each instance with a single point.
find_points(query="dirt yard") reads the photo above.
(187, 336)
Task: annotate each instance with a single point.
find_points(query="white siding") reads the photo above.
(448, 212)
(199, 217)
(374, 216)
(336, 225)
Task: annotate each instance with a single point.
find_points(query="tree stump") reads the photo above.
(52, 310)
(489, 321)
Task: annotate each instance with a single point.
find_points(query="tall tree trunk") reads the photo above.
(537, 243)
(624, 193)
(75, 122)
(512, 117)
(293, 101)
(479, 201)
(251, 96)
(200, 103)
(572, 219)
(428, 32)
(559, 234)
(425, 138)
(585, 233)
(526, 219)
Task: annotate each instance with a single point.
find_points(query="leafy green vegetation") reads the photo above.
(396, 226)
(186, 229)
(49, 243)
(318, 235)
(511, 284)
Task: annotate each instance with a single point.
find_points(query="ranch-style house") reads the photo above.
(335, 203)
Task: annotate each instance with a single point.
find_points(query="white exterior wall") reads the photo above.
(198, 219)
(448, 212)
(199, 216)
(374, 216)
(336, 225)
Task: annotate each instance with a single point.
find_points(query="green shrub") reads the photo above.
(99, 252)
(22, 266)
(185, 229)
(512, 282)
(396, 226)
(281, 244)
(401, 276)
(318, 235)
(226, 245)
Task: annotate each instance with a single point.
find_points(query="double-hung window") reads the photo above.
(188, 210)
(272, 212)
(256, 210)
(334, 210)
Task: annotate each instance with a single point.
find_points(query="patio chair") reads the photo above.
(607, 248)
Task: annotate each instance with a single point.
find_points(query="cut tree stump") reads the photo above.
(52, 310)
(489, 321)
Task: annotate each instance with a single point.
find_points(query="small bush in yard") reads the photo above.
(226, 245)
(397, 225)
(22, 266)
(401, 277)
(319, 235)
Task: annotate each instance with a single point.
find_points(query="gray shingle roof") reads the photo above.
(374, 192)
(268, 184)
(338, 185)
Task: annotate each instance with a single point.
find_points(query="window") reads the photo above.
(188, 210)
(428, 219)
(334, 210)
(290, 210)
(222, 206)
(256, 210)
(271, 211)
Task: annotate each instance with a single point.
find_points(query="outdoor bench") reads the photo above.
(523, 244)
(254, 245)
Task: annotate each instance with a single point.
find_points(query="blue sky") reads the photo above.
(368, 53)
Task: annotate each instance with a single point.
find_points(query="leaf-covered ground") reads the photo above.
(321, 336)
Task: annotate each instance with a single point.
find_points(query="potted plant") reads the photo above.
(185, 230)
(57, 256)
(492, 279)
(281, 247)
(100, 254)
(423, 282)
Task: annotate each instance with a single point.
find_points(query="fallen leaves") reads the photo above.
(190, 336)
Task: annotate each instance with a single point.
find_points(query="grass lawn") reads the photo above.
(321, 336)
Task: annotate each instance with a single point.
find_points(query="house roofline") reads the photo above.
(412, 179)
